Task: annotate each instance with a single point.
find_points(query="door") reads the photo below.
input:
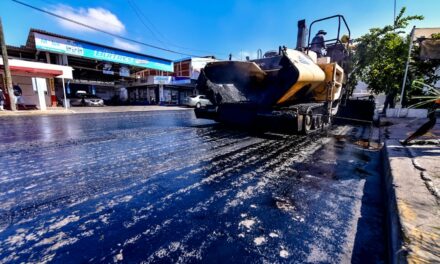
(40, 86)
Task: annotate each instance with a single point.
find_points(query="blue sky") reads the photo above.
(205, 27)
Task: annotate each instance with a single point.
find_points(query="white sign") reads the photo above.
(107, 69)
(124, 71)
(92, 51)
(162, 79)
(182, 81)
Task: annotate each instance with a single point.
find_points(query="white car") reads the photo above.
(82, 98)
(197, 101)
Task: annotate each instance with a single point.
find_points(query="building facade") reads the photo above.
(97, 69)
(117, 76)
(36, 82)
(165, 87)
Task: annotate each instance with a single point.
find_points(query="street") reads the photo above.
(165, 187)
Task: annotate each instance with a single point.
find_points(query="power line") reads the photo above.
(153, 28)
(138, 14)
(148, 20)
(103, 31)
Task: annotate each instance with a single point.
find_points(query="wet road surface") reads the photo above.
(164, 187)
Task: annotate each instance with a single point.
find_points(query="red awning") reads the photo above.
(36, 71)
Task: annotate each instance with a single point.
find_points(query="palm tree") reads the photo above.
(432, 99)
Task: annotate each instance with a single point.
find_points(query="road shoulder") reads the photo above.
(412, 195)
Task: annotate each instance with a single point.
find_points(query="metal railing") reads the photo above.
(337, 39)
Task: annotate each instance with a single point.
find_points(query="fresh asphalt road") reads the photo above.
(164, 187)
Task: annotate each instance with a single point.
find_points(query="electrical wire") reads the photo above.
(164, 40)
(148, 20)
(103, 31)
(138, 13)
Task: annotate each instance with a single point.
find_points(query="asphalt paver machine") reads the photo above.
(297, 90)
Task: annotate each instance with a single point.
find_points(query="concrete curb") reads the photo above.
(395, 242)
(412, 210)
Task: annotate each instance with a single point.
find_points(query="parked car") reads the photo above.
(82, 98)
(197, 101)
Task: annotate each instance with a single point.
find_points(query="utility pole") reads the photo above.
(394, 22)
(7, 75)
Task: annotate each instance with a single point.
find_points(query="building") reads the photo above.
(37, 82)
(172, 88)
(118, 76)
(97, 69)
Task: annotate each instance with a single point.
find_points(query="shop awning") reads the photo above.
(38, 69)
(35, 71)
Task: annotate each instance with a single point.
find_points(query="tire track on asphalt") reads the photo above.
(216, 201)
(239, 151)
(229, 163)
(133, 171)
(120, 153)
(85, 123)
(232, 190)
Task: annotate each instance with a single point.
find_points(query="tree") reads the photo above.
(379, 58)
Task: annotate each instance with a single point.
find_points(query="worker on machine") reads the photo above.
(318, 43)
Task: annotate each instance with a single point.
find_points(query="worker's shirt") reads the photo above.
(318, 43)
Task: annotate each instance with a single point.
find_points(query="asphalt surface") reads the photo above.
(164, 187)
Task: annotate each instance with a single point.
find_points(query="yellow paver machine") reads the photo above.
(295, 89)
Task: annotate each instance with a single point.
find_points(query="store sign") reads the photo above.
(107, 69)
(162, 79)
(82, 49)
(177, 81)
(124, 71)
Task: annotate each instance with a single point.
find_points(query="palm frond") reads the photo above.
(432, 94)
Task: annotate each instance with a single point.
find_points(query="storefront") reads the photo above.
(119, 77)
(143, 95)
(37, 82)
(187, 72)
(98, 69)
(165, 90)
(104, 90)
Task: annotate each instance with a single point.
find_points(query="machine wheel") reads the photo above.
(317, 124)
(326, 122)
(198, 105)
(307, 122)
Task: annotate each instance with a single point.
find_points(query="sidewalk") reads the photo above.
(413, 183)
(88, 110)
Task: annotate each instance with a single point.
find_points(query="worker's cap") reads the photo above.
(322, 32)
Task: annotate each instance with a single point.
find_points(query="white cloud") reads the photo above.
(126, 45)
(96, 17)
(244, 54)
